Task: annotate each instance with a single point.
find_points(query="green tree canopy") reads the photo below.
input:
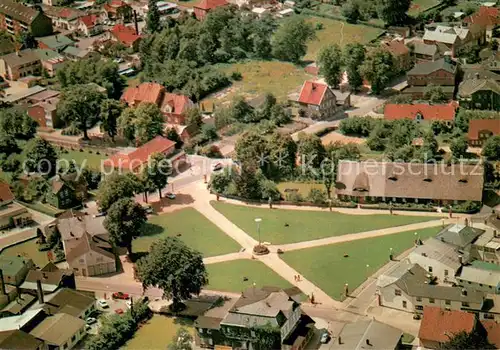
(330, 64)
(17, 123)
(289, 41)
(491, 148)
(109, 114)
(40, 157)
(353, 57)
(393, 12)
(114, 187)
(157, 171)
(378, 68)
(459, 147)
(141, 124)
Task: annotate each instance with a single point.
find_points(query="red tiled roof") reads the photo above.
(429, 112)
(178, 103)
(485, 16)
(125, 35)
(5, 192)
(477, 125)
(89, 20)
(312, 93)
(493, 330)
(396, 47)
(210, 4)
(437, 324)
(37, 113)
(141, 155)
(145, 92)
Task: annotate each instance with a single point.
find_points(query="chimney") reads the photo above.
(39, 291)
(2, 284)
(460, 259)
(464, 292)
(135, 23)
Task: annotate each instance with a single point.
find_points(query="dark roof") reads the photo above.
(471, 86)
(19, 340)
(426, 68)
(56, 41)
(459, 235)
(379, 335)
(208, 322)
(18, 11)
(69, 297)
(47, 277)
(22, 57)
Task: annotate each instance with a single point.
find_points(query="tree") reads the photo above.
(435, 94)
(153, 17)
(430, 146)
(459, 147)
(282, 155)
(251, 148)
(172, 135)
(330, 63)
(124, 221)
(158, 171)
(247, 182)
(126, 127)
(219, 182)
(175, 268)
(269, 189)
(289, 41)
(353, 57)
(350, 10)
(393, 12)
(194, 120)
(241, 111)
(114, 187)
(467, 341)
(8, 144)
(40, 157)
(110, 112)
(80, 106)
(27, 40)
(182, 340)
(311, 151)
(491, 148)
(16, 122)
(378, 68)
(141, 124)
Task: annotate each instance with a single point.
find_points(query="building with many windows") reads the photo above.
(16, 18)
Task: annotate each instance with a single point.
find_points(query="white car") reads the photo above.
(103, 303)
(90, 320)
(129, 303)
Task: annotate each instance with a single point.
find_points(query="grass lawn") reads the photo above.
(259, 77)
(307, 225)
(157, 333)
(191, 227)
(28, 249)
(327, 268)
(90, 160)
(418, 6)
(337, 32)
(43, 208)
(302, 187)
(228, 276)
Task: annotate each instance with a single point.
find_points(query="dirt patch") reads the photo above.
(338, 137)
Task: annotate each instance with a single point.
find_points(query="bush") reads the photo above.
(44, 247)
(71, 131)
(236, 76)
(211, 151)
(270, 190)
(293, 197)
(467, 207)
(360, 126)
(317, 196)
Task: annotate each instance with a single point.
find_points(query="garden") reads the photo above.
(91, 159)
(237, 275)
(189, 226)
(331, 267)
(28, 249)
(280, 226)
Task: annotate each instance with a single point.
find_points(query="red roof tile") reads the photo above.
(5, 192)
(477, 125)
(437, 324)
(176, 104)
(312, 93)
(428, 112)
(210, 4)
(89, 20)
(125, 35)
(145, 92)
(396, 47)
(493, 330)
(141, 155)
(485, 16)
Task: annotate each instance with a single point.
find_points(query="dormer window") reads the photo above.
(393, 178)
(427, 179)
(464, 181)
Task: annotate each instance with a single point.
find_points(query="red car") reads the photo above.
(119, 311)
(120, 295)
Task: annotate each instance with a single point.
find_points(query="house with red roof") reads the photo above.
(492, 329)
(201, 9)
(90, 25)
(126, 35)
(135, 160)
(486, 17)
(421, 112)
(482, 129)
(438, 325)
(173, 106)
(117, 9)
(318, 101)
(399, 51)
(65, 18)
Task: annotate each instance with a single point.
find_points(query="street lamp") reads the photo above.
(258, 221)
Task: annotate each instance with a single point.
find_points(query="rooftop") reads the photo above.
(459, 235)
(478, 125)
(58, 329)
(312, 92)
(437, 324)
(210, 4)
(11, 265)
(486, 277)
(55, 42)
(439, 251)
(428, 112)
(426, 68)
(19, 340)
(18, 11)
(16, 59)
(356, 336)
(18, 322)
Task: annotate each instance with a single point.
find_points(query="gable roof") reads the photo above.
(459, 235)
(312, 92)
(11, 265)
(438, 324)
(493, 330)
(477, 125)
(421, 48)
(486, 277)
(443, 34)
(379, 335)
(18, 11)
(58, 329)
(62, 12)
(439, 251)
(426, 68)
(88, 244)
(396, 47)
(79, 302)
(16, 59)
(6, 194)
(19, 340)
(485, 17)
(471, 86)
(125, 34)
(210, 4)
(428, 112)
(144, 92)
(89, 20)
(56, 41)
(75, 226)
(178, 104)
(141, 155)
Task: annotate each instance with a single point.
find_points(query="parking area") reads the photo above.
(106, 305)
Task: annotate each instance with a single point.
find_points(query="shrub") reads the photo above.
(236, 76)
(71, 131)
(294, 197)
(317, 196)
(211, 151)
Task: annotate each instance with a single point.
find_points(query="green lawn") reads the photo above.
(90, 160)
(327, 268)
(302, 188)
(28, 249)
(191, 227)
(418, 6)
(157, 333)
(259, 77)
(228, 276)
(307, 225)
(337, 32)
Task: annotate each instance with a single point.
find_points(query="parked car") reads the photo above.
(325, 337)
(129, 303)
(217, 166)
(90, 320)
(119, 311)
(120, 295)
(148, 209)
(103, 303)
(170, 195)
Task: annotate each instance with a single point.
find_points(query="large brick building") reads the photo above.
(16, 18)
